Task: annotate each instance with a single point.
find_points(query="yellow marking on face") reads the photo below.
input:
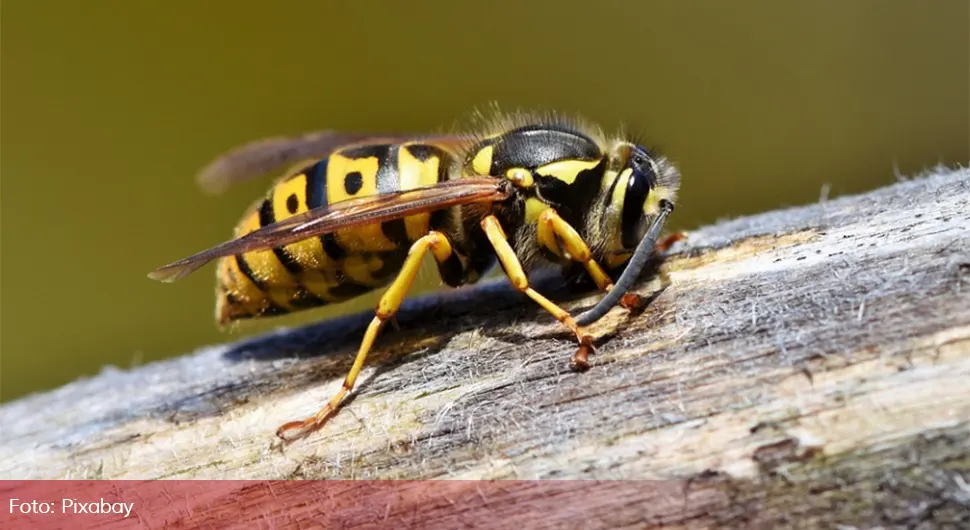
(482, 163)
(619, 192)
(608, 177)
(651, 206)
(614, 213)
(533, 208)
(415, 173)
(520, 177)
(567, 170)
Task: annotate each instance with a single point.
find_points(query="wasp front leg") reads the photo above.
(553, 229)
(387, 307)
(516, 274)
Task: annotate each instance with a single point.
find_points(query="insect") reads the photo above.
(368, 208)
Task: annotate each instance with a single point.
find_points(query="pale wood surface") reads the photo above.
(809, 364)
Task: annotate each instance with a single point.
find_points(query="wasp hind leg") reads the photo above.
(513, 269)
(553, 229)
(387, 307)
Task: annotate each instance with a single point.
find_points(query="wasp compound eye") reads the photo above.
(638, 189)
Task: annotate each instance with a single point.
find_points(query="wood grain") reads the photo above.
(807, 365)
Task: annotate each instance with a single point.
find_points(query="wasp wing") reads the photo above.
(262, 156)
(344, 214)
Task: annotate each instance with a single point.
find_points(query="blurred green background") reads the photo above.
(110, 107)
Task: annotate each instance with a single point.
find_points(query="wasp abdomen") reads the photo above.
(335, 266)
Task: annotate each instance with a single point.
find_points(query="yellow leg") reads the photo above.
(516, 275)
(552, 229)
(388, 305)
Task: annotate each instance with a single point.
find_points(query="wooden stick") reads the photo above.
(808, 365)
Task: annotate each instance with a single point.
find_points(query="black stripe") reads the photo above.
(444, 168)
(248, 272)
(397, 232)
(365, 151)
(346, 291)
(332, 248)
(316, 196)
(316, 184)
(347, 288)
(270, 310)
(304, 299)
(451, 271)
(268, 217)
(289, 262)
(391, 263)
(549, 255)
(422, 152)
(438, 220)
(388, 181)
(273, 310)
(572, 201)
(531, 147)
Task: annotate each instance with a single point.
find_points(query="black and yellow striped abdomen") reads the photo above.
(338, 266)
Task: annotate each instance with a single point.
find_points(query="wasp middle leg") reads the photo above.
(552, 229)
(387, 307)
(513, 269)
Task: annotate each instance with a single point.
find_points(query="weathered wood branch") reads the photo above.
(810, 364)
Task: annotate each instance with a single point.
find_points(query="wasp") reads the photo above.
(364, 210)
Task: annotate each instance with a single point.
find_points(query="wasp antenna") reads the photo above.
(632, 271)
